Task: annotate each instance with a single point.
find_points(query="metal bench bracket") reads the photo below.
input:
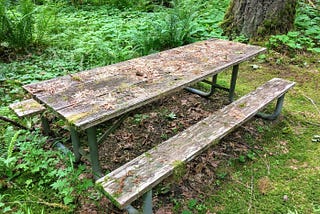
(45, 125)
(146, 207)
(214, 85)
(94, 154)
(276, 112)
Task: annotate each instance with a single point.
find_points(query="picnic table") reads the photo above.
(91, 97)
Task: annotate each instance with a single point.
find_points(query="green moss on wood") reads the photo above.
(242, 105)
(112, 197)
(73, 118)
(179, 169)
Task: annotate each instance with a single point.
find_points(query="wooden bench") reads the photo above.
(30, 107)
(27, 108)
(137, 177)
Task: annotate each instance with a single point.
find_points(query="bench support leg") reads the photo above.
(214, 85)
(233, 82)
(146, 207)
(45, 125)
(132, 210)
(113, 127)
(202, 93)
(94, 154)
(147, 202)
(75, 143)
(276, 112)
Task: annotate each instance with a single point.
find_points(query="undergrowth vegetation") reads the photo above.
(23, 25)
(31, 172)
(305, 36)
(43, 39)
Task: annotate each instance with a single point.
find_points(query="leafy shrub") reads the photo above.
(25, 164)
(126, 4)
(22, 24)
(170, 29)
(179, 23)
(166, 3)
(306, 36)
(291, 42)
(17, 23)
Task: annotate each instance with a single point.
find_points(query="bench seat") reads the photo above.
(27, 108)
(127, 183)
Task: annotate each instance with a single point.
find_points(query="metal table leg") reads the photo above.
(94, 154)
(45, 125)
(75, 143)
(214, 85)
(202, 93)
(233, 82)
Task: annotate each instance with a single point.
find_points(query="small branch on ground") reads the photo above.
(251, 192)
(313, 103)
(15, 123)
(311, 3)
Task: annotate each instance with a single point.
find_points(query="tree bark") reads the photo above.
(253, 18)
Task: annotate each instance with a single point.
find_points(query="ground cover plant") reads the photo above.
(264, 167)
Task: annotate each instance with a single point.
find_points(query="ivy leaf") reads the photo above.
(59, 184)
(7, 209)
(68, 199)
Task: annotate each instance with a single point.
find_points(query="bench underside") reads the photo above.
(132, 180)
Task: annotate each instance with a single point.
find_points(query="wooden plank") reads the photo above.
(127, 183)
(27, 108)
(90, 97)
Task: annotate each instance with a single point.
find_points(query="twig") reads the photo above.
(266, 162)
(15, 123)
(42, 202)
(251, 192)
(313, 103)
(311, 3)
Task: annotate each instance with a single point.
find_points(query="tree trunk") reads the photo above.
(253, 18)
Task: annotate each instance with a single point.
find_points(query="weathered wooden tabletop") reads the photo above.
(90, 97)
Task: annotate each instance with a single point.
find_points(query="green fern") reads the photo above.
(12, 144)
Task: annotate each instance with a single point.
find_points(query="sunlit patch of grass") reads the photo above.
(291, 167)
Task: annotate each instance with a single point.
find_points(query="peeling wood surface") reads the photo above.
(27, 108)
(90, 97)
(127, 183)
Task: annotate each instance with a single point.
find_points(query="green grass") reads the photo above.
(290, 163)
